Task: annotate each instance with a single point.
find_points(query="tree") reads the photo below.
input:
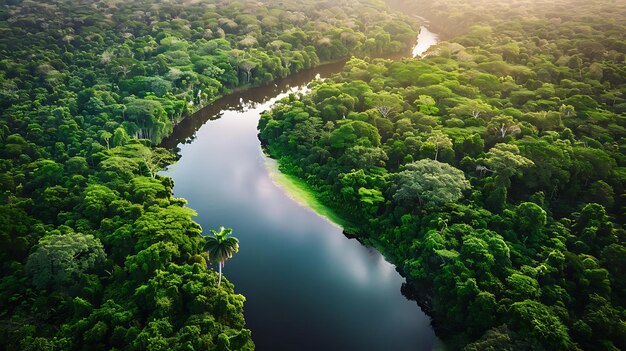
(503, 125)
(553, 163)
(169, 224)
(151, 120)
(521, 287)
(430, 182)
(106, 136)
(473, 108)
(440, 140)
(537, 320)
(500, 338)
(247, 67)
(156, 159)
(384, 102)
(221, 247)
(363, 157)
(15, 235)
(506, 161)
(96, 201)
(123, 69)
(384, 110)
(567, 111)
(530, 219)
(63, 258)
(426, 105)
(350, 132)
(120, 137)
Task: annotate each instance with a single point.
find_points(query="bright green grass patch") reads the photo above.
(301, 192)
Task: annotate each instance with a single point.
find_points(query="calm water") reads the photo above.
(307, 286)
(425, 40)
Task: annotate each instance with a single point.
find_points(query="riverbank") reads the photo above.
(191, 122)
(490, 257)
(301, 192)
(294, 267)
(74, 106)
(249, 102)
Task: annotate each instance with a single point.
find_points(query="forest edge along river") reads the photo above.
(307, 286)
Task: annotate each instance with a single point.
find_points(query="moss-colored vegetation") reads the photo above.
(301, 192)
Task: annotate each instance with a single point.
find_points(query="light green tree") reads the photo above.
(506, 161)
(502, 125)
(431, 183)
(441, 141)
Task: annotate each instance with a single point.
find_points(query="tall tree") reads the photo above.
(221, 247)
(506, 161)
(440, 140)
(502, 125)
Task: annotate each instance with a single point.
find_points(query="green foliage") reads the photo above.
(85, 90)
(430, 182)
(534, 319)
(522, 287)
(352, 132)
(60, 259)
(528, 110)
(505, 161)
(523, 117)
(221, 247)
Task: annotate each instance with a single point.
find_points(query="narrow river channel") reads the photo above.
(307, 286)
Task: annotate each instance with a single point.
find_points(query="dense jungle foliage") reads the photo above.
(491, 172)
(95, 252)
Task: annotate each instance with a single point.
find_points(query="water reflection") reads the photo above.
(307, 286)
(184, 132)
(425, 40)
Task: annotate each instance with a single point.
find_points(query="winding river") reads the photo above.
(307, 286)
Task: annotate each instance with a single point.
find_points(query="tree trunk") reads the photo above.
(219, 268)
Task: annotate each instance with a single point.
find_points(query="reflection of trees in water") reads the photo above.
(241, 101)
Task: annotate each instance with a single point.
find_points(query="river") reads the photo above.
(425, 40)
(307, 286)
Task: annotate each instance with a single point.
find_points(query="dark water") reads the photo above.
(307, 286)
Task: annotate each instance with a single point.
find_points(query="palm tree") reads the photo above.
(221, 247)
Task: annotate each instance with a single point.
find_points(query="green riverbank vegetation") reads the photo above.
(302, 193)
(491, 172)
(95, 252)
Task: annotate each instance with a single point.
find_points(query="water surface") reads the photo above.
(425, 40)
(307, 286)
